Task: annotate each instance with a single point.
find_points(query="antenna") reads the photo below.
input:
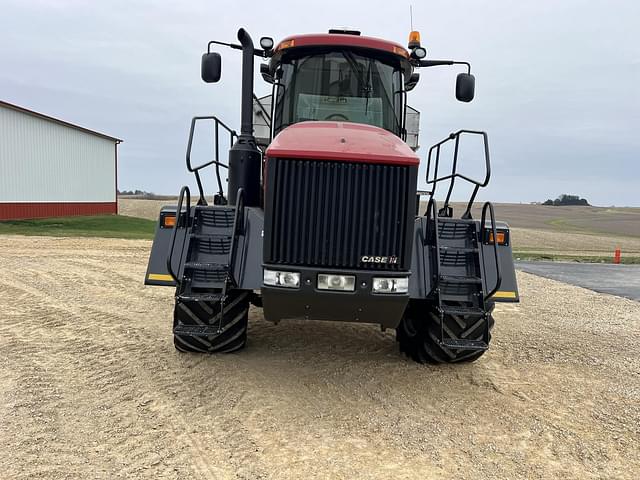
(411, 16)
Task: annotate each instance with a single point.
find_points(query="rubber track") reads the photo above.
(419, 337)
(233, 336)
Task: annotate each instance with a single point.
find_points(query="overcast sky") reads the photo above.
(557, 82)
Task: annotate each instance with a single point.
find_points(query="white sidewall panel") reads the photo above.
(43, 161)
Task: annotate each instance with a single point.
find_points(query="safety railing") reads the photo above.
(432, 232)
(238, 229)
(485, 239)
(434, 156)
(182, 221)
(217, 124)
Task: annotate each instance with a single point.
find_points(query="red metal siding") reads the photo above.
(15, 211)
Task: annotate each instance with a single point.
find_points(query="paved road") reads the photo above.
(621, 280)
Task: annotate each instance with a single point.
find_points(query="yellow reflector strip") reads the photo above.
(504, 295)
(162, 277)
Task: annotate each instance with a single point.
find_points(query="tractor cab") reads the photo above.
(341, 77)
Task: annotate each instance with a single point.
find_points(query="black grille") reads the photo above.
(330, 214)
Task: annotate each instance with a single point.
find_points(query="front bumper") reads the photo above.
(307, 302)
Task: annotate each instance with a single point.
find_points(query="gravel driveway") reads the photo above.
(91, 387)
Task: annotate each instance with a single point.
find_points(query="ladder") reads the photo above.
(459, 273)
(208, 255)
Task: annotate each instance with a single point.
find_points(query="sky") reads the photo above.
(557, 82)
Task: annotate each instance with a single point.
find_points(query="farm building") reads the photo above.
(52, 168)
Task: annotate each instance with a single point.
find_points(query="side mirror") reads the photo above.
(211, 67)
(465, 87)
(412, 82)
(265, 72)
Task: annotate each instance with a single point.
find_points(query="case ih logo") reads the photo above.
(371, 259)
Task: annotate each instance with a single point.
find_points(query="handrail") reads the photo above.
(454, 173)
(238, 228)
(216, 161)
(432, 207)
(178, 224)
(495, 246)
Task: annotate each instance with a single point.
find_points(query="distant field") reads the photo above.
(538, 232)
(599, 220)
(568, 233)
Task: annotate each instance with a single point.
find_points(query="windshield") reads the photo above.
(340, 86)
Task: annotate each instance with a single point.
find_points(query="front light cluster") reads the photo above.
(390, 285)
(277, 278)
(336, 282)
(346, 283)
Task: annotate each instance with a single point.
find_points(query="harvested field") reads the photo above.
(150, 209)
(576, 244)
(91, 386)
(599, 220)
(533, 228)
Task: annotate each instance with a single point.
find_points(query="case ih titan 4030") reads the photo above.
(321, 217)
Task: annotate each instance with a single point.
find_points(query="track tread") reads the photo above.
(233, 331)
(419, 334)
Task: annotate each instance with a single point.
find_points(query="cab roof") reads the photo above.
(343, 40)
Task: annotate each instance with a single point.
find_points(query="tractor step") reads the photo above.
(221, 217)
(464, 311)
(211, 236)
(460, 280)
(199, 297)
(464, 344)
(196, 330)
(458, 249)
(206, 266)
(212, 244)
(448, 220)
(216, 208)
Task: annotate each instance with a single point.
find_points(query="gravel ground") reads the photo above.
(91, 387)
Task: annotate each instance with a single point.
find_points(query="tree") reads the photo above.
(566, 200)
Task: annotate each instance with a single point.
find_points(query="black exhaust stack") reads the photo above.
(244, 157)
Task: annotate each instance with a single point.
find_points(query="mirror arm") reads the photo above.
(256, 51)
(438, 63)
(215, 42)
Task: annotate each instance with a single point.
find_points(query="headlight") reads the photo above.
(346, 283)
(276, 278)
(390, 285)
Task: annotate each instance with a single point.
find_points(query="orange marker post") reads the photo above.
(617, 255)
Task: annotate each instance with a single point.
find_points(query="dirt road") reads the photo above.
(91, 387)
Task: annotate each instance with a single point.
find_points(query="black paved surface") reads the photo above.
(621, 280)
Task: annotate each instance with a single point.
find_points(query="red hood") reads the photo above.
(341, 141)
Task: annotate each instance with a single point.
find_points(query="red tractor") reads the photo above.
(321, 217)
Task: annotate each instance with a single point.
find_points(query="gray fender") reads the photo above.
(248, 264)
(421, 281)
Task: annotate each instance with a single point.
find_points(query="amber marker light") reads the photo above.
(502, 237)
(414, 39)
(168, 221)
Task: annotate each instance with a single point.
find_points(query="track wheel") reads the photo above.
(419, 332)
(233, 324)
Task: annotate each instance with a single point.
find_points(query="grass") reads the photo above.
(108, 226)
